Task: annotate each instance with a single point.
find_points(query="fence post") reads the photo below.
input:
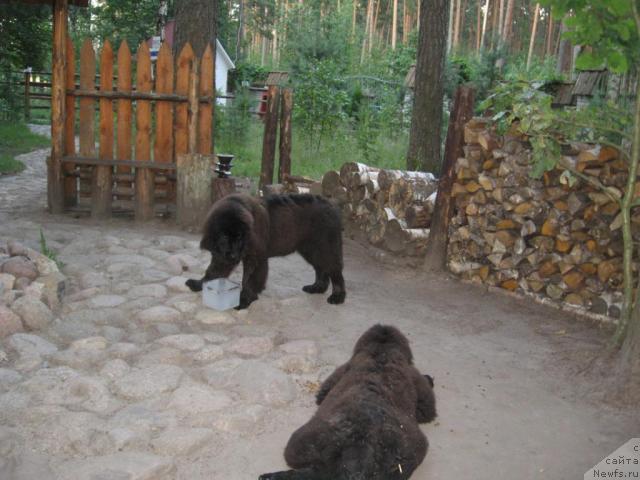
(269, 139)
(27, 95)
(436, 254)
(284, 166)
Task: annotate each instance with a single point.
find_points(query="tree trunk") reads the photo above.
(456, 24)
(426, 118)
(394, 25)
(196, 24)
(549, 40)
(534, 29)
(451, 26)
(501, 22)
(565, 53)
(484, 23)
(436, 254)
(508, 21)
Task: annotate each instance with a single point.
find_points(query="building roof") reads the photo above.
(224, 55)
(277, 78)
(77, 3)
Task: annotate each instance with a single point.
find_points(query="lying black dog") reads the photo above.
(366, 426)
(241, 228)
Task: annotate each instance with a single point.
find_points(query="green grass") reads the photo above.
(313, 160)
(16, 138)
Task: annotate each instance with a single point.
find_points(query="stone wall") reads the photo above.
(544, 237)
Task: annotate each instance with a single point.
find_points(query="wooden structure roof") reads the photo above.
(277, 78)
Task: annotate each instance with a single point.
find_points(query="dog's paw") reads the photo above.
(194, 285)
(336, 298)
(314, 288)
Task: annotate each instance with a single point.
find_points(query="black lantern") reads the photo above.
(223, 167)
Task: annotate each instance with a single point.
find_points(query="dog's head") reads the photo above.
(383, 339)
(226, 236)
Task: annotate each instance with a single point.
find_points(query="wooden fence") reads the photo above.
(142, 128)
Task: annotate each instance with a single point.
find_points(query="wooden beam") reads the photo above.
(269, 139)
(79, 160)
(165, 97)
(55, 177)
(436, 253)
(284, 165)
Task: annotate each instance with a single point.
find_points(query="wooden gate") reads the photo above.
(129, 164)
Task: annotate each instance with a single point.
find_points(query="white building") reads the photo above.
(223, 65)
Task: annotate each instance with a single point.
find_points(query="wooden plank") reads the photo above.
(269, 139)
(136, 95)
(123, 150)
(184, 63)
(206, 90)
(284, 165)
(70, 183)
(79, 160)
(163, 146)
(192, 127)
(193, 189)
(436, 252)
(55, 177)
(101, 186)
(87, 105)
(144, 200)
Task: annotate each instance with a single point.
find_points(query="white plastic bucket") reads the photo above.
(221, 294)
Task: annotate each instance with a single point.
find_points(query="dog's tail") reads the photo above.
(302, 474)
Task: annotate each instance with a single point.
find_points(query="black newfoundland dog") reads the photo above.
(241, 228)
(366, 426)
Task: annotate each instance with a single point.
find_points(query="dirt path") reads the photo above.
(136, 380)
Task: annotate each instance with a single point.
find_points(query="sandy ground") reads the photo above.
(509, 400)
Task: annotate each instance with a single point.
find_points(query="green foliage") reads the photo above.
(16, 138)
(607, 26)
(118, 20)
(9, 165)
(233, 120)
(246, 72)
(47, 252)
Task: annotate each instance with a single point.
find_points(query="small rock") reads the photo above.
(35, 290)
(148, 382)
(54, 288)
(100, 316)
(20, 267)
(208, 354)
(198, 399)
(300, 347)
(166, 329)
(181, 441)
(159, 314)
(170, 243)
(254, 380)
(185, 342)
(177, 284)
(27, 345)
(141, 419)
(112, 334)
(22, 283)
(186, 307)
(131, 260)
(19, 463)
(8, 377)
(9, 322)
(152, 290)
(162, 356)
(114, 369)
(93, 280)
(212, 337)
(250, 346)
(154, 253)
(15, 248)
(90, 343)
(181, 263)
(7, 282)
(106, 301)
(212, 317)
(241, 422)
(120, 466)
(83, 294)
(123, 350)
(35, 315)
(295, 364)
(154, 275)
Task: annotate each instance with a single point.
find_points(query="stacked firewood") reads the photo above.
(392, 207)
(559, 236)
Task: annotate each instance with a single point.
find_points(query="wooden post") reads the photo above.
(70, 181)
(284, 165)
(534, 30)
(55, 178)
(193, 170)
(269, 139)
(87, 113)
(193, 198)
(27, 93)
(101, 188)
(144, 176)
(436, 252)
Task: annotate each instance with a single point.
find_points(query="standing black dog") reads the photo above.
(242, 228)
(366, 426)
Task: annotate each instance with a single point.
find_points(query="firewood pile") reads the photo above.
(392, 207)
(552, 237)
